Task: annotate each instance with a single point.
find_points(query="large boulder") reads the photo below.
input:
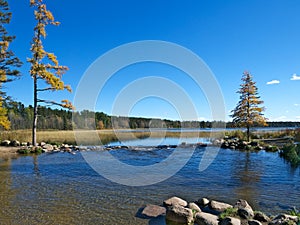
(175, 201)
(203, 218)
(285, 219)
(261, 217)
(48, 147)
(5, 143)
(194, 207)
(219, 206)
(245, 211)
(154, 211)
(230, 221)
(15, 143)
(180, 214)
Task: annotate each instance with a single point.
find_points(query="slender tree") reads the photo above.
(8, 61)
(44, 65)
(248, 111)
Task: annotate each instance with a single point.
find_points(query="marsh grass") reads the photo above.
(265, 134)
(106, 136)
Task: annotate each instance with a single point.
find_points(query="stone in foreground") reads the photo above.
(206, 219)
(154, 211)
(261, 217)
(180, 214)
(219, 206)
(230, 221)
(193, 206)
(244, 209)
(175, 201)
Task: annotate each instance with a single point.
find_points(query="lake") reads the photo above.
(61, 188)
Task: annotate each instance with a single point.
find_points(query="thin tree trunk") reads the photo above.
(248, 133)
(35, 111)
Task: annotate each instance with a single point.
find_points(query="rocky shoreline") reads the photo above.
(232, 143)
(211, 212)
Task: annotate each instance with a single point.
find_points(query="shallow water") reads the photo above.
(61, 188)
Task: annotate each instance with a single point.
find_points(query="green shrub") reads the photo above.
(23, 151)
(230, 212)
(294, 212)
(291, 153)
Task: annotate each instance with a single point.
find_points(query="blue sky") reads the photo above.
(230, 36)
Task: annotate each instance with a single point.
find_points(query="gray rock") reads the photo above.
(15, 143)
(154, 211)
(175, 201)
(230, 221)
(206, 219)
(244, 209)
(261, 217)
(5, 143)
(180, 214)
(42, 144)
(24, 144)
(203, 202)
(194, 207)
(48, 147)
(284, 219)
(254, 222)
(219, 206)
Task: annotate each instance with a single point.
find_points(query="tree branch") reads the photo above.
(46, 89)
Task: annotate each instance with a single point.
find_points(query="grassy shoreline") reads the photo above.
(110, 135)
(106, 136)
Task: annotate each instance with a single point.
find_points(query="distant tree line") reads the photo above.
(21, 117)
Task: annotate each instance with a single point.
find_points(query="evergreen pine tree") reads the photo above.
(248, 111)
(8, 61)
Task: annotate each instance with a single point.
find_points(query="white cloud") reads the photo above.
(295, 77)
(297, 117)
(273, 82)
(296, 104)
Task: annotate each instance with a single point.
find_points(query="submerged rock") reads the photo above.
(154, 211)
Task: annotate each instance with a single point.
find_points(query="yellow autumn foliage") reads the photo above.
(45, 65)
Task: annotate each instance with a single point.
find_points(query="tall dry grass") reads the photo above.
(87, 137)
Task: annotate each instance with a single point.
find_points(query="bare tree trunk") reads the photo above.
(35, 111)
(248, 133)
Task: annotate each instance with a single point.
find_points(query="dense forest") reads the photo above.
(21, 118)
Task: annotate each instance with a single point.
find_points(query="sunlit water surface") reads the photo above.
(61, 188)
